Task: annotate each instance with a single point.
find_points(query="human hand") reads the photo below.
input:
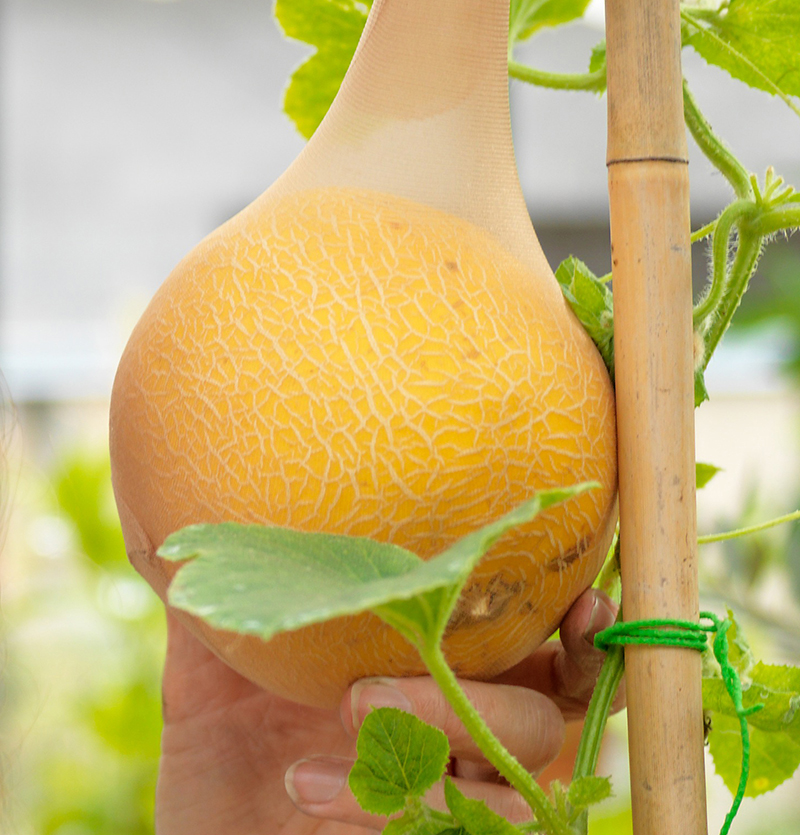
(236, 759)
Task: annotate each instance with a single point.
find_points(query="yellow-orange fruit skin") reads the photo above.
(350, 362)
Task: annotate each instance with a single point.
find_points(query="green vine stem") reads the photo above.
(596, 718)
(761, 526)
(755, 215)
(744, 264)
(490, 745)
(598, 712)
(779, 219)
(704, 232)
(713, 147)
(734, 213)
(592, 81)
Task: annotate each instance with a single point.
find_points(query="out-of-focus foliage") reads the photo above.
(753, 562)
(618, 821)
(84, 644)
(772, 693)
(774, 300)
(333, 28)
(754, 40)
(83, 495)
(526, 17)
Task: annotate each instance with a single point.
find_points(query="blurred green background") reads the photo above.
(83, 647)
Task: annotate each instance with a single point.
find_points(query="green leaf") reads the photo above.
(426, 615)
(776, 687)
(333, 27)
(261, 581)
(593, 304)
(474, 816)
(774, 730)
(739, 653)
(399, 757)
(598, 59)
(558, 795)
(704, 473)
(700, 390)
(529, 16)
(754, 40)
(587, 791)
(597, 62)
(773, 758)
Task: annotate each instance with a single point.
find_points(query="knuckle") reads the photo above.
(575, 681)
(431, 706)
(548, 729)
(537, 733)
(452, 726)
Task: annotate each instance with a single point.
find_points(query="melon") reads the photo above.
(352, 362)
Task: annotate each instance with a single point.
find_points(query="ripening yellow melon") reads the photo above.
(352, 362)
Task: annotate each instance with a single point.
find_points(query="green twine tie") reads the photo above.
(684, 633)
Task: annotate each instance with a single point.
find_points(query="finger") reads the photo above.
(318, 787)
(526, 722)
(577, 666)
(566, 670)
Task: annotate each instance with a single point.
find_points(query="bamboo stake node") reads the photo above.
(651, 262)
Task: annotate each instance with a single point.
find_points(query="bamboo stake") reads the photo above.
(649, 200)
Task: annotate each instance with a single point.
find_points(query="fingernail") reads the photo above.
(602, 616)
(375, 692)
(317, 780)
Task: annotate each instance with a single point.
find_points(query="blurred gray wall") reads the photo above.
(131, 128)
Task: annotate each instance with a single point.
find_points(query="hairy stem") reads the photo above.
(741, 270)
(704, 231)
(593, 81)
(492, 748)
(713, 147)
(778, 219)
(707, 307)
